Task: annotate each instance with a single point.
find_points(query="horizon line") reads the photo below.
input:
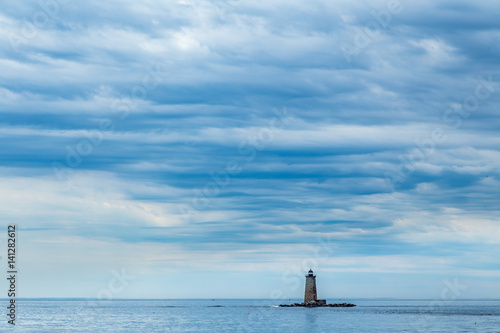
(267, 299)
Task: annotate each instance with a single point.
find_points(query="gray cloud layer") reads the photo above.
(118, 114)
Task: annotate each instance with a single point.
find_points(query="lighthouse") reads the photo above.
(310, 293)
(311, 296)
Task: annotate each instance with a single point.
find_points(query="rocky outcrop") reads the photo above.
(313, 304)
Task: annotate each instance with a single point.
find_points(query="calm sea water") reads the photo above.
(252, 316)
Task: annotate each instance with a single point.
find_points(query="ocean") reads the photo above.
(72, 315)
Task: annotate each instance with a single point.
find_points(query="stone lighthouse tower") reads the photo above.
(310, 293)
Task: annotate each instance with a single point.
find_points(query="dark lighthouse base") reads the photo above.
(318, 304)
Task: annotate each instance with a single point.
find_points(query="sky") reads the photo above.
(221, 149)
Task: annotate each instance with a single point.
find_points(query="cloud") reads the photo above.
(118, 117)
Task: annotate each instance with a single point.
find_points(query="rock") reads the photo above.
(313, 304)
